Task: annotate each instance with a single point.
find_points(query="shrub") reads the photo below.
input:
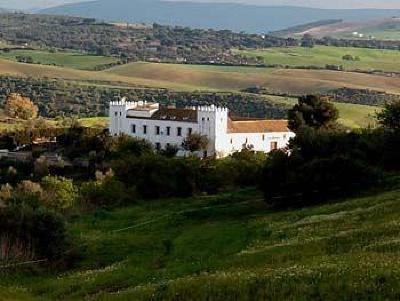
(58, 193)
(289, 181)
(28, 233)
(106, 191)
(156, 176)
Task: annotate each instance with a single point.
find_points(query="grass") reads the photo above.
(229, 247)
(63, 59)
(356, 116)
(101, 122)
(370, 59)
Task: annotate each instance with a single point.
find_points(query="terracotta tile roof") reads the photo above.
(174, 114)
(257, 126)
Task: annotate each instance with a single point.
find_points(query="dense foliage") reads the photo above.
(312, 111)
(55, 98)
(324, 163)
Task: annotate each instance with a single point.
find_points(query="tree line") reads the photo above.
(62, 97)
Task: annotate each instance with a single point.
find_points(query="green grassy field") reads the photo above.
(370, 59)
(228, 247)
(65, 59)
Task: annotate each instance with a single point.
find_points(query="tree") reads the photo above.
(195, 142)
(389, 117)
(312, 111)
(18, 106)
(307, 41)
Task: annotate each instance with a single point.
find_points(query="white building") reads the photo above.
(164, 126)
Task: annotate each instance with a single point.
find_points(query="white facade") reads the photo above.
(166, 126)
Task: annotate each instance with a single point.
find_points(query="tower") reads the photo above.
(117, 114)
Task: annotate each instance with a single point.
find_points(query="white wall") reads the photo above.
(163, 139)
(260, 142)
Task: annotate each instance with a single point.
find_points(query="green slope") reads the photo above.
(64, 59)
(229, 247)
(370, 59)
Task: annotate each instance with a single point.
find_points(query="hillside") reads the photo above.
(228, 247)
(211, 78)
(380, 29)
(249, 18)
(320, 56)
(237, 78)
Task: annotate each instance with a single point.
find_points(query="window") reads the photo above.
(145, 129)
(190, 130)
(274, 145)
(116, 113)
(263, 137)
(158, 146)
(231, 141)
(179, 131)
(157, 130)
(168, 130)
(133, 128)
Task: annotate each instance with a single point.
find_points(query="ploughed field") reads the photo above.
(227, 247)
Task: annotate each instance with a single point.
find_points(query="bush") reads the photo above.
(28, 233)
(106, 191)
(156, 176)
(289, 181)
(58, 193)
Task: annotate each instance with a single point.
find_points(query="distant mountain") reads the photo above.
(237, 17)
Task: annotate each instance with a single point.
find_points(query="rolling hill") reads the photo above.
(227, 247)
(211, 78)
(237, 17)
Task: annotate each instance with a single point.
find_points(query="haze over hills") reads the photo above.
(338, 4)
(237, 17)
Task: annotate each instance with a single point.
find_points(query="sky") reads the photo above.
(30, 4)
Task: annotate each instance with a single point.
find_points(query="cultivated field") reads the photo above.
(64, 59)
(370, 59)
(228, 247)
(218, 78)
(237, 78)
